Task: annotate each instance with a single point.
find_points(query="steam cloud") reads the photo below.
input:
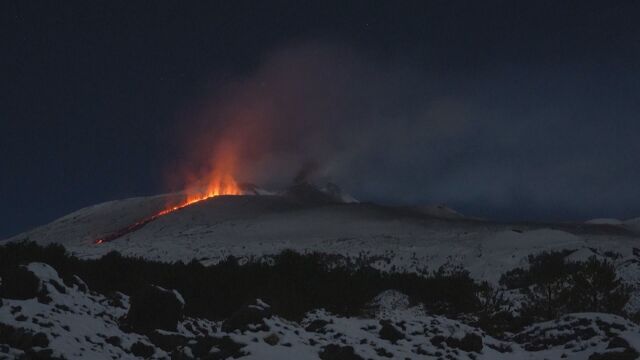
(407, 133)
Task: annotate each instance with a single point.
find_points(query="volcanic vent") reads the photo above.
(217, 185)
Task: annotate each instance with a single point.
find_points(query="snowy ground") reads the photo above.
(391, 238)
(80, 324)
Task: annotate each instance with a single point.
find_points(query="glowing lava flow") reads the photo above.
(217, 187)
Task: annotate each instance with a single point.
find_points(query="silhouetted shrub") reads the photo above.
(291, 283)
(19, 283)
(556, 286)
(594, 286)
(152, 308)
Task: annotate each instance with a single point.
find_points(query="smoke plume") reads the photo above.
(398, 132)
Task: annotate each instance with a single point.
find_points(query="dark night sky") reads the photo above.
(504, 109)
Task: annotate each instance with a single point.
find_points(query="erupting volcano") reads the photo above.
(210, 168)
(218, 183)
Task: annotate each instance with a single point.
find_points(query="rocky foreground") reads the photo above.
(48, 317)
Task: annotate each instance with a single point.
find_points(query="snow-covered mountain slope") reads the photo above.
(67, 320)
(392, 238)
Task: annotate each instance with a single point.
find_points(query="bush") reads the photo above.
(291, 283)
(596, 287)
(555, 286)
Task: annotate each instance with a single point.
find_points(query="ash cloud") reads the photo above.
(508, 142)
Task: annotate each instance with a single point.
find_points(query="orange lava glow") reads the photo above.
(216, 182)
(216, 186)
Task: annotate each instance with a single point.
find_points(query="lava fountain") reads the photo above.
(211, 163)
(217, 182)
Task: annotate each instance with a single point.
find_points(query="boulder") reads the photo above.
(469, 342)
(249, 317)
(272, 339)
(438, 341)
(618, 342)
(153, 308)
(142, 350)
(317, 325)
(628, 354)
(20, 338)
(116, 299)
(389, 332)
(213, 348)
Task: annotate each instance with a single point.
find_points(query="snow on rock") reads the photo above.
(592, 332)
(76, 324)
(44, 272)
(81, 325)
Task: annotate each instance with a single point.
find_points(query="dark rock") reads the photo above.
(272, 339)
(180, 354)
(40, 339)
(20, 283)
(113, 340)
(63, 307)
(142, 350)
(75, 281)
(41, 354)
(627, 354)
(470, 342)
(337, 352)
(202, 346)
(59, 288)
(167, 342)
(317, 326)
(154, 308)
(115, 299)
(537, 338)
(250, 317)
(437, 341)
(226, 346)
(383, 352)
(22, 339)
(44, 298)
(501, 347)
(389, 332)
(618, 342)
